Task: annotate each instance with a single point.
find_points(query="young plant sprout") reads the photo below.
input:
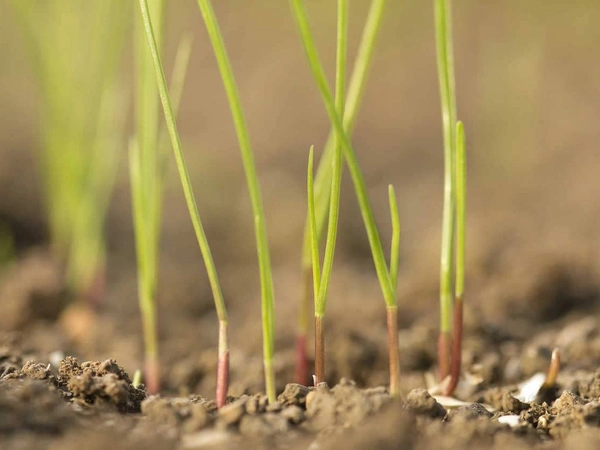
(381, 268)
(262, 245)
(81, 139)
(392, 310)
(553, 369)
(321, 280)
(323, 180)
(223, 349)
(147, 168)
(448, 100)
(453, 222)
(459, 284)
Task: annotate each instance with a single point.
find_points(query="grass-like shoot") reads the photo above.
(83, 113)
(262, 244)
(147, 165)
(445, 67)
(381, 268)
(452, 271)
(459, 283)
(323, 178)
(321, 279)
(223, 349)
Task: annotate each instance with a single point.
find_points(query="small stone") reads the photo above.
(566, 402)
(293, 414)
(252, 405)
(421, 402)
(35, 371)
(471, 412)
(293, 394)
(321, 409)
(274, 407)
(233, 412)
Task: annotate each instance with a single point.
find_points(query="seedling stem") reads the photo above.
(323, 183)
(262, 245)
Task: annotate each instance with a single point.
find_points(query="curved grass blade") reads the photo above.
(223, 363)
(264, 259)
(323, 181)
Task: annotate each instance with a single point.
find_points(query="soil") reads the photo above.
(49, 400)
(532, 275)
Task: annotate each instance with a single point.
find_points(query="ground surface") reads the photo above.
(533, 271)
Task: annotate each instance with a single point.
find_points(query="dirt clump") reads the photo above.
(102, 382)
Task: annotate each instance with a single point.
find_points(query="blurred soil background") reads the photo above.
(527, 86)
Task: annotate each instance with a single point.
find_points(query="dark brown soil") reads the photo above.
(94, 403)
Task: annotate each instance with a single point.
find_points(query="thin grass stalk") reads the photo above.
(381, 268)
(147, 171)
(393, 349)
(322, 181)
(448, 102)
(395, 245)
(262, 244)
(145, 293)
(316, 271)
(349, 154)
(147, 191)
(334, 203)
(459, 285)
(392, 311)
(223, 351)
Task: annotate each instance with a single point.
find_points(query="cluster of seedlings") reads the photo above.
(323, 197)
(78, 192)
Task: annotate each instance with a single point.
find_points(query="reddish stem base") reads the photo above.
(319, 351)
(152, 376)
(393, 348)
(457, 332)
(222, 379)
(443, 354)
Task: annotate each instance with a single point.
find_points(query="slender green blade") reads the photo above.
(349, 154)
(448, 101)
(336, 167)
(395, 246)
(264, 259)
(181, 165)
(313, 225)
(461, 195)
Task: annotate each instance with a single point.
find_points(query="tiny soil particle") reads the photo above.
(420, 402)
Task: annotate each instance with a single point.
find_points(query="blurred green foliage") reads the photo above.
(76, 47)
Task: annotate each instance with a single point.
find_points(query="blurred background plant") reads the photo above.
(76, 50)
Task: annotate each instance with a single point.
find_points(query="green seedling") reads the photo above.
(146, 192)
(262, 245)
(321, 279)
(137, 379)
(83, 113)
(381, 268)
(223, 349)
(323, 178)
(147, 169)
(454, 215)
(445, 65)
(459, 284)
